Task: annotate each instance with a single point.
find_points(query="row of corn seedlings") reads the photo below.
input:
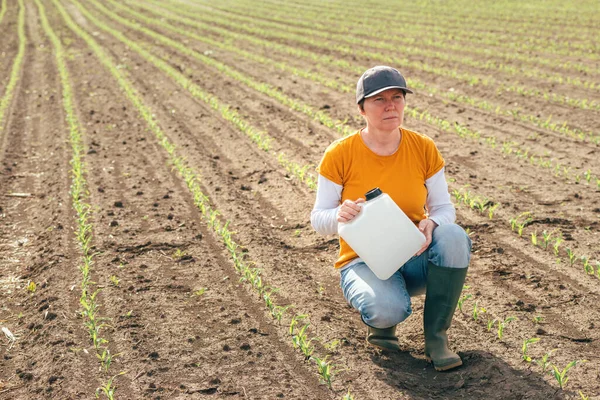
(479, 34)
(261, 138)
(414, 50)
(477, 40)
(546, 123)
(352, 51)
(15, 72)
(547, 240)
(560, 375)
(508, 148)
(499, 325)
(551, 241)
(250, 275)
(79, 196)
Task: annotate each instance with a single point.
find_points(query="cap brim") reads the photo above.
(386, 88)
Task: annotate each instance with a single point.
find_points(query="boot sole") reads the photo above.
(456, 364)
(384, 345)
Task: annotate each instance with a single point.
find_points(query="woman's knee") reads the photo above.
(383, 315)
(451, 247)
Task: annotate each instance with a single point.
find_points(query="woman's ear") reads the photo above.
(361, 109)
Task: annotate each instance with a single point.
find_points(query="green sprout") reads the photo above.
(325, 370)
(556, 245)
(525, 347)
(462, 300)
(503, 324)
(114, 280)
(534, 239)
(477, 310)
(538, 319)
(547, 235)
(561, 375)
(31, 287)
(571, 255)
(544, 363)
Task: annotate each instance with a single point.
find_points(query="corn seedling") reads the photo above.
(333, 345)
(348, 396)
(586, 265)
(462, 300)
(179, 254)
(571, 255)
(31, 287)
(543, 362)
(492, 209)
(534, 239)
(525, 348)
(295, 320)
(114, 280)
(108, 388)
(561, 375)
(546, 235)
(278, 311)
(556, 246)
(538, 319)
(325, 370)
(503, 324)
(106, 358)
(477, 310)
(300, 340)
(583, 396)
(199, 292)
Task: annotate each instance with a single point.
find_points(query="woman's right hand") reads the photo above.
(349, 210)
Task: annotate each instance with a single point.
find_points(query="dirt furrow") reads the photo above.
(37, 243)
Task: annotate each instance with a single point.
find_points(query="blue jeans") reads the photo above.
(383, 304)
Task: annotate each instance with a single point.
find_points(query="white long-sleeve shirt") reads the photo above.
(329, 195)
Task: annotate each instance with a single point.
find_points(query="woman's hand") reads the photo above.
(426, 226)
(349, 210)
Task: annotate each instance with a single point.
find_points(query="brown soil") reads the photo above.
(172, 340)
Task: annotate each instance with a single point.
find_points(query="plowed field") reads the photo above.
(157, 178)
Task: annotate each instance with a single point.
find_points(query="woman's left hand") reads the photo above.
(426, 226)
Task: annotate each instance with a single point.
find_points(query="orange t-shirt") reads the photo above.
(350, 163)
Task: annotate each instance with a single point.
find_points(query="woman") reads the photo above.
(409, 168)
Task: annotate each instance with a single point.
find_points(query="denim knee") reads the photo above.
(381, 303)
(450, 247)
(385, 314)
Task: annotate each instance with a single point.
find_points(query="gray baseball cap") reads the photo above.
(378, 79)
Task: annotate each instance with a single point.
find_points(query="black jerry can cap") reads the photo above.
(373, 193)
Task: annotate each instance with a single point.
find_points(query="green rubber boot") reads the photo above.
(385, 339)
(444, 286)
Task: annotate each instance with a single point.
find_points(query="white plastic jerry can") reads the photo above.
(382, 235)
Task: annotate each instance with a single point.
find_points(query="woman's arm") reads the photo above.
(324, 214)
(440, 208)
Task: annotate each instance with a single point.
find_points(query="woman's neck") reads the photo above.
(383, 143)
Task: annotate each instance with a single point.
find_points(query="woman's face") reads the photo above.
(385, 110)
